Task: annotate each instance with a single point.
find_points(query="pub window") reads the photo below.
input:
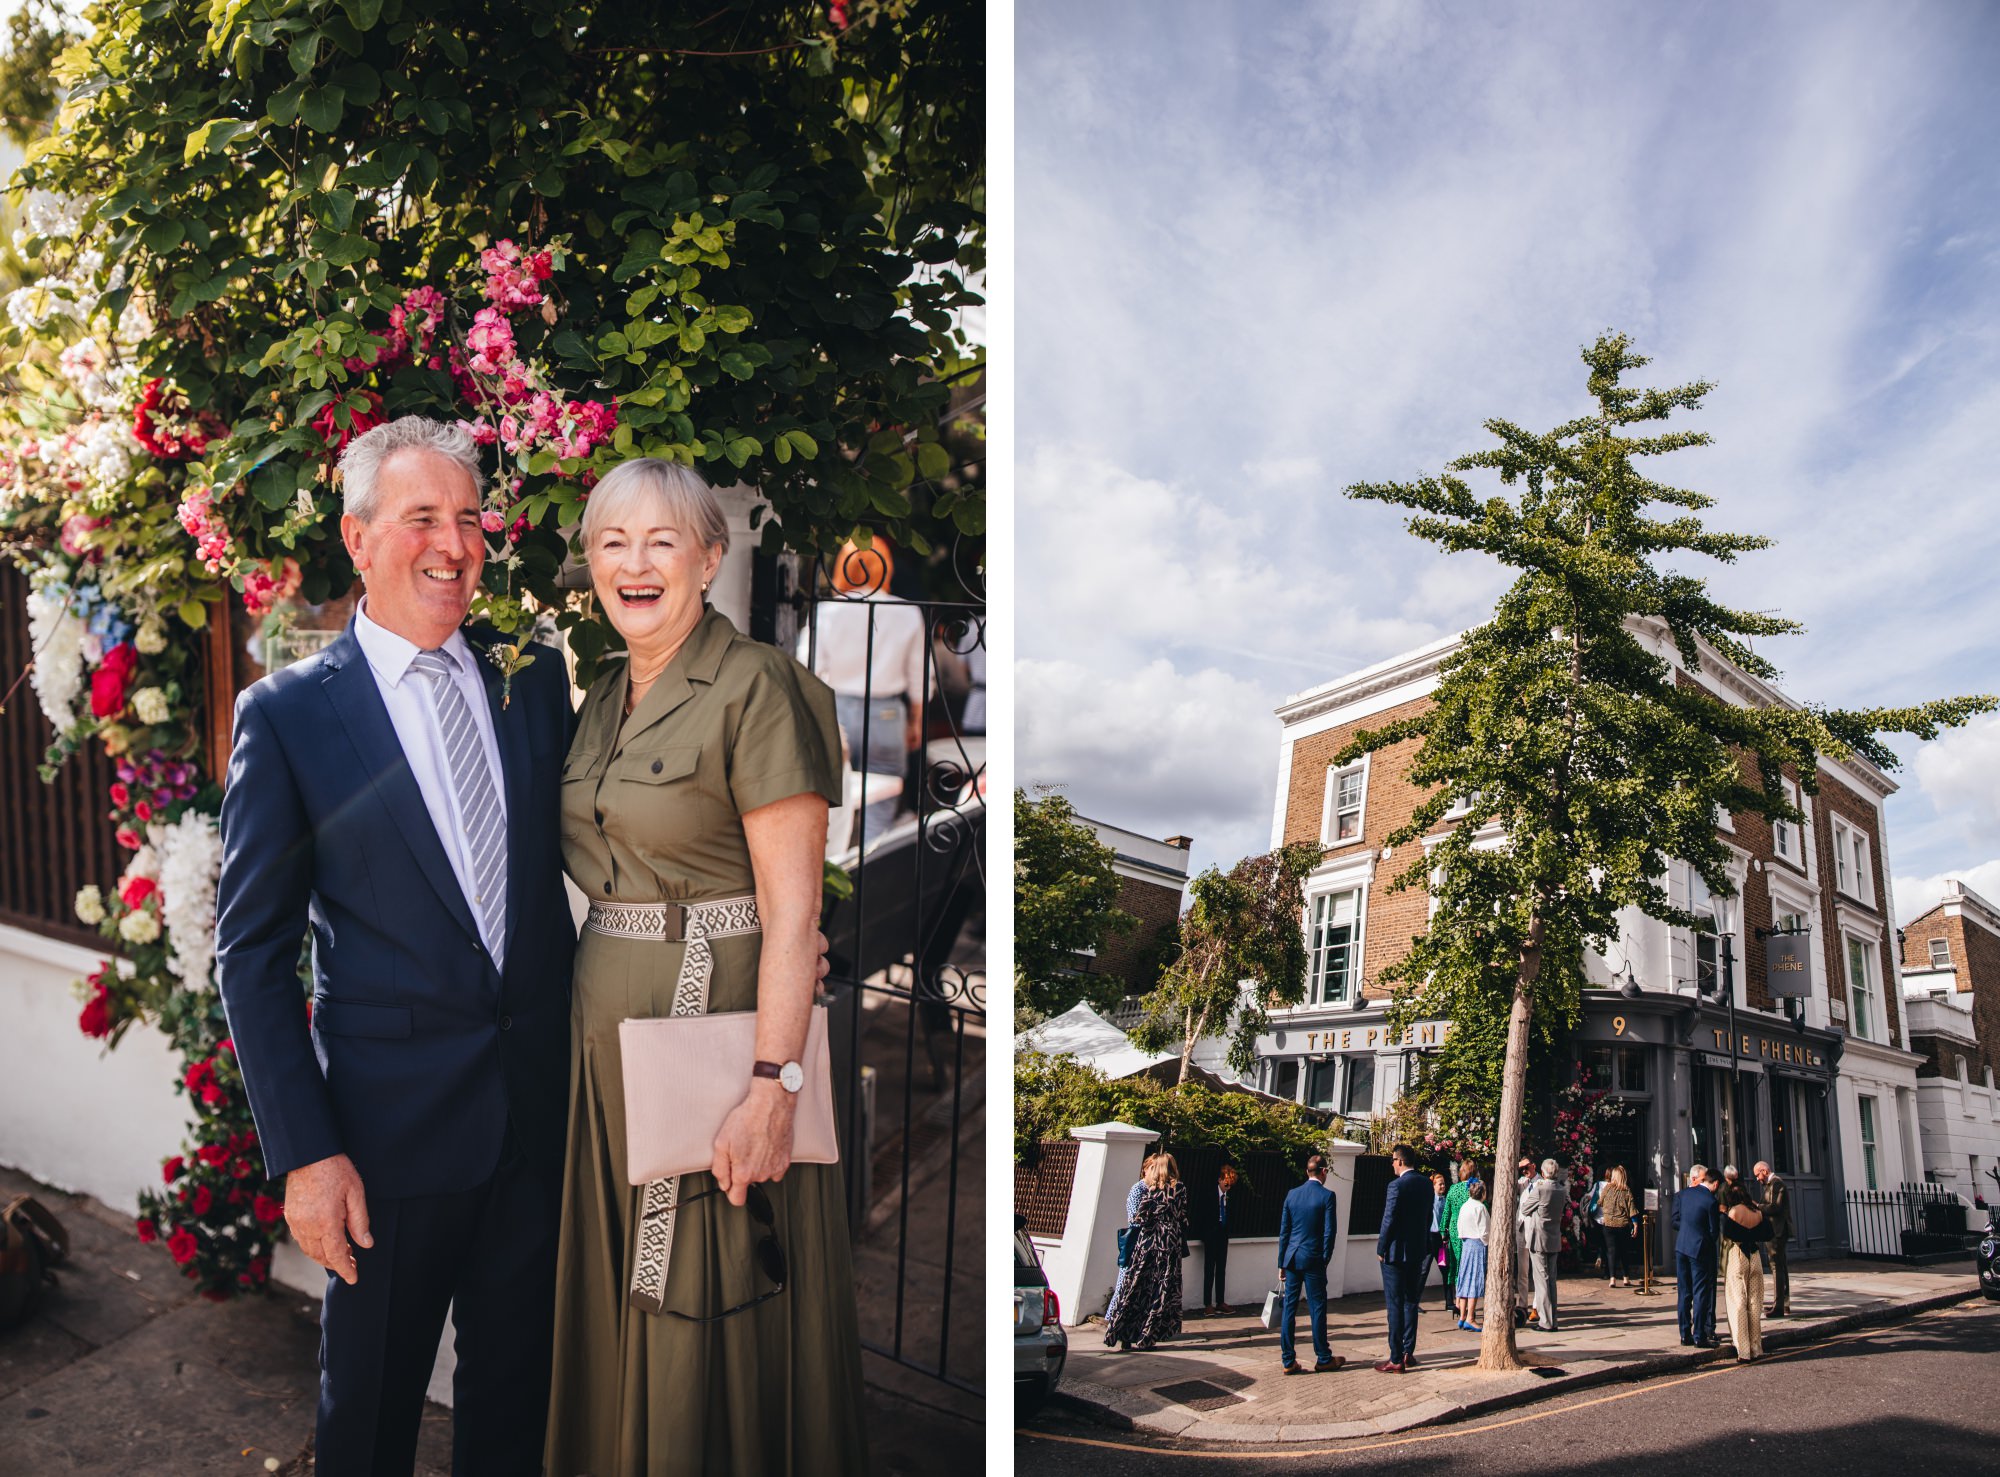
(1868, 1166)
(1360, 1095)
(1332, 937)
(1285, 1078)
(1321, 1083)
(1785, 839)
(1861, 991)
(1940, 953)
(1631, 1069)
(1597, 1068)
(1344, 791)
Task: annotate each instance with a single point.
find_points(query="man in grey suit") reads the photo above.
(1541, 1232)
(1778, 1211)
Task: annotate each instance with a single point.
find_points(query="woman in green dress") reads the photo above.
(701, 773)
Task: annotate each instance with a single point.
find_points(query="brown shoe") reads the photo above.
(1224, 1309)
(1295, 1369)
(1388, 1366)
(1328, 1366)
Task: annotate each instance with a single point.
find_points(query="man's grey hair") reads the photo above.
(1697, 1173)
(1763, 1164)
(1549, 1168)
(686, 496)
(361, 463)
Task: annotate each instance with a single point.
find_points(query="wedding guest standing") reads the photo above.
(704, 1323)
(1615, 1206)
(1454, 1202)
(1697, 1232)
(1215, 1244)
(1541, 1234)
(1305, 1245)
(1401, 1247)
(1472, 1221)
(1778, 1211)
(1147, 1306)
(1743, 1232)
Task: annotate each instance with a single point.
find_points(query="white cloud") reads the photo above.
(1918, 895)
(1155, 750)
(1960, 772)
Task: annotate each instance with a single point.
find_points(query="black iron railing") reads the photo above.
(1918, 1222)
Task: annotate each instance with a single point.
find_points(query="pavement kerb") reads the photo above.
(1124, 1411)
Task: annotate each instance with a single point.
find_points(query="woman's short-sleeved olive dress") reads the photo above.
(651, 813)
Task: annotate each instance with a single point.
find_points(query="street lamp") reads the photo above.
(1725, 983)
(1629, 986)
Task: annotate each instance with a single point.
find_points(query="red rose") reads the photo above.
(120, 795)
(96, 1020)
(213, 1095)
(129, 838)
(137, 889)
(267, 1210)
(236, 1195)
(148, 1232)
(183, 1246)
(225, 1044)
(143, 811)
(162, 424)
(358, 421)
(203, 1199)
(109, 681)
(172, 1169)
(260, 1268)
(213, 1154)
(197, 1074)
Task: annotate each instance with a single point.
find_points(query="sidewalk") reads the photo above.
(1220, 1380)
(123, 1370)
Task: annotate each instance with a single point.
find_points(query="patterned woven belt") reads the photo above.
(697, 923)
(668, 922)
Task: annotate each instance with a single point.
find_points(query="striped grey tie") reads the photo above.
(478, 804)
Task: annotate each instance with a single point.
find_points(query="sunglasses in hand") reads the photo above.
(769, 1254)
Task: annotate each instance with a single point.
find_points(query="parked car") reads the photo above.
(1041, 1348)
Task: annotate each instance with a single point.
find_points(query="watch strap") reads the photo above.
(772, 1070)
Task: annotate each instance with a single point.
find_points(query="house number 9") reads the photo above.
(1618, 1025)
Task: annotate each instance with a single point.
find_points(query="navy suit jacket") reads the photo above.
(1305, 1227)
(420, 1054)
(1406, 1218)
(1697, 1222)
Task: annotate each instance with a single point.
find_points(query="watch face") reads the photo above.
(791, 1077)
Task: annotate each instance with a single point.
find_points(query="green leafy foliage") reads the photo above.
(1065, 902)
(1241, 927)
(1053, 1094)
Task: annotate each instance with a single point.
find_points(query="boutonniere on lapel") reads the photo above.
(508, 657)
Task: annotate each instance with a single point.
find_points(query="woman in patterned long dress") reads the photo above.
(700, 773)
(1147, 1305)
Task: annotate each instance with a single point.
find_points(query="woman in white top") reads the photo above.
(1473, 1220)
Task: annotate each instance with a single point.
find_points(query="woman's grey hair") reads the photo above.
(361, 463)
(690, 502)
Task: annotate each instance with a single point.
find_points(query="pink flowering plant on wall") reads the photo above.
(740, 237)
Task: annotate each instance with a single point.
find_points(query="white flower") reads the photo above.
(56, 638)
(139, 926)
(151, 638)
(190, 862)
(90, 905)
(151, 704)
(28, 308)
(46, 213)
(104, 450)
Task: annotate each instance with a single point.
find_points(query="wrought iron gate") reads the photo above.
(907, 950)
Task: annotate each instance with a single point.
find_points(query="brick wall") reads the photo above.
(1837, 799)
(1394, 918)
(1975, 961)
(1135, 957)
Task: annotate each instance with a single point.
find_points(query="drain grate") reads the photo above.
(1198, 1395)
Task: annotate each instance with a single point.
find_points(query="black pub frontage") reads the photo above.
(1701, 1095)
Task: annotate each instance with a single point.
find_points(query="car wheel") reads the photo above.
(1030, 1398)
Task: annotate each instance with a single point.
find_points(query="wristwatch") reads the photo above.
(791, 1076)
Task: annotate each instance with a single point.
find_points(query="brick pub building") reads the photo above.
(1823, 1087)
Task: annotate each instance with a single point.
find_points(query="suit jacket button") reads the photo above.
(658, 766)
(506, 1023)
(607, 887)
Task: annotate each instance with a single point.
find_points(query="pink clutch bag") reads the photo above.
(684, 1074)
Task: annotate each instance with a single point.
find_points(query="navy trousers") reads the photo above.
(1402, 1294)
(1311, 1281)
(1694, 1284)
(488, 1255)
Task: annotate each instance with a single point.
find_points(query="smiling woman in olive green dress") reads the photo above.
(701, 772)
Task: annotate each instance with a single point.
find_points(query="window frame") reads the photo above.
(1860, 1002)
(1935, 944)
(1330, 812)
(1851, 850)
(1315, 995)
(1796, 857)
(1868, 1112)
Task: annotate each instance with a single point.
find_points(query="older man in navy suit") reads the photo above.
(390, 798)
(1697, 1238)
(1401, 1247)
(1305, 1245)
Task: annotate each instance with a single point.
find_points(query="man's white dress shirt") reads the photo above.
(842, 660)
(407, 696)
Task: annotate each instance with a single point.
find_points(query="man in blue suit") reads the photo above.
(1401, 1247)
(1305, 1245)
(391, 798)
(1697, 1239)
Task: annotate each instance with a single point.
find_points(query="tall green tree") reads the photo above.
(1242, 926)
(1065, 904)
(1578, 739)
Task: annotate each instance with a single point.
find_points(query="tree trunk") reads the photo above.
(1196, 1024)
(1497, 1350)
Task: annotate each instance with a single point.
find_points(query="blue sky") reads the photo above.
(1268, 250)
